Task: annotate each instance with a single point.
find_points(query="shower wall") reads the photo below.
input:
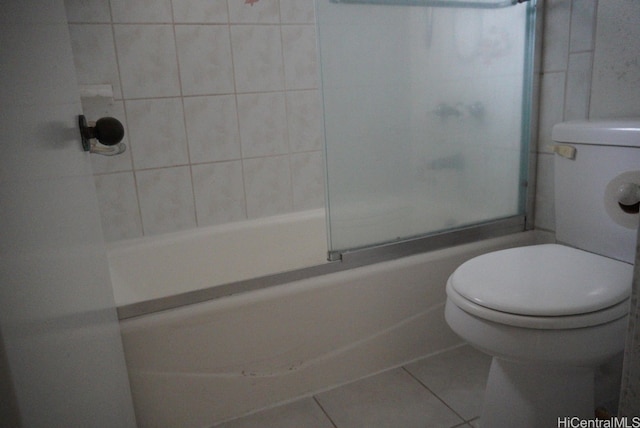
(221, 105)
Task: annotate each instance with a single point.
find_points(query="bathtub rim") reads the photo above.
(348, 260)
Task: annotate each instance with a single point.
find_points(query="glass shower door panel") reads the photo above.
(423, 118)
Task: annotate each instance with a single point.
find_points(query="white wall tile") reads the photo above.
(299, 50)
(159, 137)
(551, 106)
(557, 20)
(166, 200)
(212, 128)
(267, 186)
(254, 11)
(119, 210)
(297, 12)
(94, 55)
(307, 176)
(147, 60)
(263, 129)
(582, 25)
(141, 11)
(204, 54)
(304, 120)
(616, 74)
(578, 86)
(544, 205)
(257, 57)
(219, 192)
(88, 11)
(210, 11)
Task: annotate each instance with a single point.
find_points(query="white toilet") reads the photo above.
(550, 314)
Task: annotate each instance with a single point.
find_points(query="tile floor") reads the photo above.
(441, 391)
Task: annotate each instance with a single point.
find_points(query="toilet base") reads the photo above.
(536, 395)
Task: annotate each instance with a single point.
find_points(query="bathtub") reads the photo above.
(283, 336)
(174, 269)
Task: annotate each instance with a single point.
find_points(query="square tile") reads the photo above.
(141, 11)
(307, 176)
(166, 200)
(254, 12)
(303, 413)
(297, 12)
(300, 59)
(257, 57)
(557, 24)
(210, 11)
(545, 203)
(158, 137)
(578, 86)
(304, 120)
(551, 107)
(88, 11)
(615, 91)
(267, 186)
(583, 25)
(204, 54)
(147, 59)
(458, 377)
(219, 192)
(118, 202)
(94, 55)
(263, 125)
(391, 399)
(212, 128)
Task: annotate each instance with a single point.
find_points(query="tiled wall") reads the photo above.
(221, 105)
(590, 70)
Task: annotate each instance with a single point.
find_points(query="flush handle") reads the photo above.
(564, 150)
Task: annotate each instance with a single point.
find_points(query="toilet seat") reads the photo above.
(589, 319)
(546, 286)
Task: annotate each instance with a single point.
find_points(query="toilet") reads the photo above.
(550, 314)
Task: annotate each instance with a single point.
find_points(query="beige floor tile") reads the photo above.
(392, 399)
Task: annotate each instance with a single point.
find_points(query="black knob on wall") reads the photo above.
(107, 130)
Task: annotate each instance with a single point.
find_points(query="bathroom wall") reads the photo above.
(221, 102)
(590, 69)
(221, 105)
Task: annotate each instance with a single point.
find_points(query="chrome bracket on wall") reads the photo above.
(477, 4)
(107, 134)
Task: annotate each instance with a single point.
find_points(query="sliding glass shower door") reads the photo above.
(426, 115)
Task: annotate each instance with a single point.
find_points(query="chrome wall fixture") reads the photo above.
(102, 137)
(472, 4)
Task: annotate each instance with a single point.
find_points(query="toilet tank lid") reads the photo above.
(606, 132)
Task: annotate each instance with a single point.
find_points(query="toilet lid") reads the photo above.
(543, 280)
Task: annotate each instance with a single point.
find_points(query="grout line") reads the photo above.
(324, 411)
(464, 420)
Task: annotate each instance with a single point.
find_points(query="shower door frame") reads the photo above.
(487, 229)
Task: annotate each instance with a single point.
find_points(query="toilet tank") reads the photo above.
(593, 160)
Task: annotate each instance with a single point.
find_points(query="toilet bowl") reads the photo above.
(545, 337)
(550, 314)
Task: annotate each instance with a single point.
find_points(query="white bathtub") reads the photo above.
(168, 270)
(206, 362)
